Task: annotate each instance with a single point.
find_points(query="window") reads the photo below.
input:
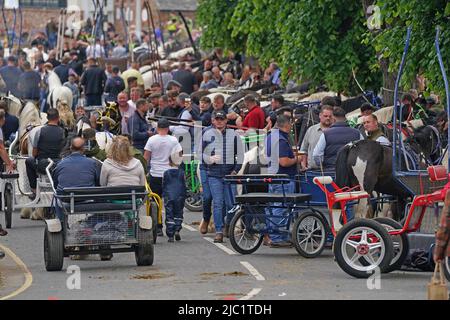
(44, 3)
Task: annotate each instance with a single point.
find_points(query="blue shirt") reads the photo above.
(76, 171)
(279, 139)
(11, 77)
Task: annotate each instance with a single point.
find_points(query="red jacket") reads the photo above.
(255, 119)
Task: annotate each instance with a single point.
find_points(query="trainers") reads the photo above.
(204, 227)
(281, 244)
(171, 239)
(2, 232)
(177, 236)
(218, 238)
(226, 231)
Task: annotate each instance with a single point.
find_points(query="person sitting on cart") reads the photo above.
(281, 161)
(48, 142)
(333, 139)
(11, 125)
(75, 171)
(373, 131)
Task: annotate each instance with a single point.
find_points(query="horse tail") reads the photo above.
(342, 172)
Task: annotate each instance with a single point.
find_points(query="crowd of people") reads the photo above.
(142, 152)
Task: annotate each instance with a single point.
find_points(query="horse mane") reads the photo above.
(53, 80)
(29, 116)
(66, 115)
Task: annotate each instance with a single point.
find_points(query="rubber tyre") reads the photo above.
(53, 250)
(349, 228)
(233, 240)
(154, 215)
(8, 207)
(196, 206)
(295, 234)
(399, 258)
(144, 253)
(447, 268)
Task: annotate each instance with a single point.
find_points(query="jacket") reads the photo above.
(138, 129)
(116, 174)
(93, 80)
(230, 149)
(75, 171)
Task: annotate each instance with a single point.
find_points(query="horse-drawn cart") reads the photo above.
(362, 246)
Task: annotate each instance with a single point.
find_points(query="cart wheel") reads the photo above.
(154, 215)
(144, 249)
(243, 236)
(53, 250)
(401, 244)
(194, 202)
(363, 240)
(447, 268)
(8, 206)
(309, 234)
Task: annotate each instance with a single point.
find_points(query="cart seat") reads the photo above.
(87, 207)
(103, 194)
(351, 195)
(264, 198)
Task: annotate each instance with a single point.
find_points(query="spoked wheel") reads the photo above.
(309, 234)
(8, 206)
(401, 244)
(447, 268)
(243, 237)
(194, 202)
(363, 240)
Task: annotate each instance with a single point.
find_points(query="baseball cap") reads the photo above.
(219, 114)
(163, 123)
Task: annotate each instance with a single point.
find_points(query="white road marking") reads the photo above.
(251, 294)
(26, 272)
(188, 227)
(253, 271)
(220, 246)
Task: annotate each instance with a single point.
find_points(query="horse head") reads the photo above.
(426, 142)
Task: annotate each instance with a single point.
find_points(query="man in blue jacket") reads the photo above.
(223, 154)
(11, 74)
(75, 171)
(138, 126)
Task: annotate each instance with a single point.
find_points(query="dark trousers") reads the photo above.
(156, 186)
(93, 100)
(33, 167)
(174, 194)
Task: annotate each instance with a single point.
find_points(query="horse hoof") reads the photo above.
(38, 214)
(25, 213)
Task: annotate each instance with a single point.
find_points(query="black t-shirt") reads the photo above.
(170, 112)
(49, 141)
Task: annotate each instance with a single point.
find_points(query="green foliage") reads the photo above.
(323, 40)
(423, 17)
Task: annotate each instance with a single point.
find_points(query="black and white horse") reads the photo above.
(369, 164)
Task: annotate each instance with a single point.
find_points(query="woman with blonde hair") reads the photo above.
(121, 168)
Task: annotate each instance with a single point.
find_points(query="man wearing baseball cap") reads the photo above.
(222, 155)
(162, 152)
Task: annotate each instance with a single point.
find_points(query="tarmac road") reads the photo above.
(194, 268)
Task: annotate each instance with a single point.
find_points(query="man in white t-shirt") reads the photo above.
(162, 151)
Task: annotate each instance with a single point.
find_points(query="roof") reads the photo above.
(177, 5)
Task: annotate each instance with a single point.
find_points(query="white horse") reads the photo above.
(57, 92)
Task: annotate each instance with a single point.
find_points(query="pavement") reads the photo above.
(194, 268)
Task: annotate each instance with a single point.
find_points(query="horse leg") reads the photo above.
(25, 213)
(38, 214)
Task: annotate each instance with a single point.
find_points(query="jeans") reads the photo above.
(33, 166)
(279, 212)
(206, 195)
(174, 194)
(222, 197)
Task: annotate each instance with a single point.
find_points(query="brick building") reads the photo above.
(36, 13)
